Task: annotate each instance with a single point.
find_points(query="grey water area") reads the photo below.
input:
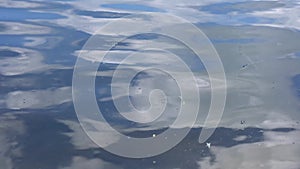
(258, 43)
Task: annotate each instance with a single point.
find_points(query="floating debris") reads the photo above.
(208, 145)
(244, 66)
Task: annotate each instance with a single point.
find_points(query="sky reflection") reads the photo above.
(258, 43)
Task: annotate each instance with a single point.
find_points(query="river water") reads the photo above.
(257, 42)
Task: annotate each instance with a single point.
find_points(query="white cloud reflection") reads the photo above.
(18, 4)
(280, 150)
(258, 78)
(38, 99)
(15, 28)
(27, 61)
(81, 162)
(279, 16)
(80, 139)
(259, 85)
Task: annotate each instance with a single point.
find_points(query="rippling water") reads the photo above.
(258, 43)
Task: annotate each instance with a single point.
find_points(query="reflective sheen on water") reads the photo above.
(258, 43)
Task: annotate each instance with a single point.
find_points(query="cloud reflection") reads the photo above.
(258, 48)
(38, 99)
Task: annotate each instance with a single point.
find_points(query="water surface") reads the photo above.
(258, 42)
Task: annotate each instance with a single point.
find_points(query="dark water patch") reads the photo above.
(225, 137)
(12, 40)
(235, 41)
(283, 129)
(132, 7)
(43, 145)
(146, 36)
(8, 53)
(101, 14)
(187, 153)
(256, 20)
(53, 5)
(296, 84)
(240, 7)
(21, 14)
(3, 27)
